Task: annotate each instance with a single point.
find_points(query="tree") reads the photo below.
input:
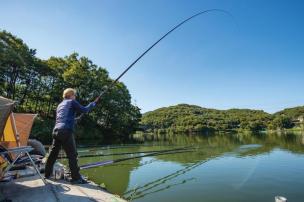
(281, 122)
(17, 65)
(38, 84)
(191, 118)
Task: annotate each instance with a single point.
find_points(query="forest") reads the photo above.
(37, 86)
(184, 118)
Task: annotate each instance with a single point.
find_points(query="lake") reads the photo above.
(224, 167)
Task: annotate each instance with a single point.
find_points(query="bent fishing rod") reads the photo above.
(154, 44)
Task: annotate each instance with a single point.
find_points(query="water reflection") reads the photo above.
(157, 185)
(148, 178)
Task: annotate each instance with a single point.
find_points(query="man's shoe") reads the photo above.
(81, 180)
(47, 177)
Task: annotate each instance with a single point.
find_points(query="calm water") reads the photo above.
(221, 168)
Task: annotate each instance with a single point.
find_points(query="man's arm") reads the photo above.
(83, 109)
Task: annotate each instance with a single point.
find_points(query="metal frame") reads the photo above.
(20, 152)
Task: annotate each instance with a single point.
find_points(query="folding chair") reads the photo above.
(12, 149)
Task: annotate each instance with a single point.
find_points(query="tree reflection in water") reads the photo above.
(117, 177)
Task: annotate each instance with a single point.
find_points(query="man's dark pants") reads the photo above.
(63, 138)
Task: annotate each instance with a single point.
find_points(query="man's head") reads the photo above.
(69, 93)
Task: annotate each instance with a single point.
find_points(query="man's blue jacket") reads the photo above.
(65, 113)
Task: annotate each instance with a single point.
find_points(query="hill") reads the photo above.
(295, 113)
(192, 118)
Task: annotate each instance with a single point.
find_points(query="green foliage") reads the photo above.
(289, 118)
(191, 118)
(38, 84)
(42, 129)
(294, 113)
(282, 122)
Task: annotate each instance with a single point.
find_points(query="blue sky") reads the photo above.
(210, 61)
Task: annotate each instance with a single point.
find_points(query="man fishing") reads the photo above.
(63, 130)
(63, 134)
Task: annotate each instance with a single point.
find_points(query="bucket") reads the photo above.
(280, 199)
(58, 171)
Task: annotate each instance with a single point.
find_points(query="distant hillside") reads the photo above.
(192, 118)
(295, 112)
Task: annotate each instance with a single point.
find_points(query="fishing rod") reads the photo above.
(129, 153)
(95, 148)
(108, 162)
(154, 44)
(108, 147)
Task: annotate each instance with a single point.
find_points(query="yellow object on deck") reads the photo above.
(9, 132)
(15, 129)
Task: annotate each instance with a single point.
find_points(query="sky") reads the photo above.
(255, 60)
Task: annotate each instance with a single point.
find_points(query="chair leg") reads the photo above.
(11, 164)
(38, 172)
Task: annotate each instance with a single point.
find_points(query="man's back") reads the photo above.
(65, 115)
